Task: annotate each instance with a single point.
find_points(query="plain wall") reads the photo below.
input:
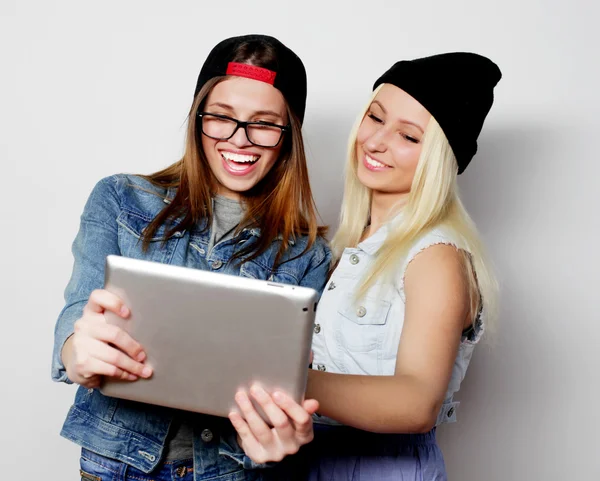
(88, 89)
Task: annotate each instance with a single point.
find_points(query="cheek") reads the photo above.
(208, 146)
(407, 157)
(269, 159)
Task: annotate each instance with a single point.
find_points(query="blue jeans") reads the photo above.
(341, 453)
(99, 468)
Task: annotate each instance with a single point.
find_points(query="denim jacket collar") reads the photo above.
(253, 230)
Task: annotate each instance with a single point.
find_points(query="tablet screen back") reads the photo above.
(206, 335)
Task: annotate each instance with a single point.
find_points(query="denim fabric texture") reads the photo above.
(119, 208)
(354, 337)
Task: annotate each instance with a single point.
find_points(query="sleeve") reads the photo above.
(318, 270)
(96, 239)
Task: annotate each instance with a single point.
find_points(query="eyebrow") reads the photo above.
(404, 121)
(258, 112)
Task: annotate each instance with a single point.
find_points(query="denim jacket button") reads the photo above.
(450, 412)
(361, 311)
(354, 259)
(207, 435)
(317, 328)
(216, 264)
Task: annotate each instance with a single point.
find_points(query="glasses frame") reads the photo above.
(244, 125)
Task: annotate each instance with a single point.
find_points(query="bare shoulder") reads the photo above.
(438, 270)
(437, 258)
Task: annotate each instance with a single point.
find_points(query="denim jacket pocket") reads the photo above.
(256, 270)
(362, 324)
(131, 228)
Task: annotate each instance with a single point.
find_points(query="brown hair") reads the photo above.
(281, 204)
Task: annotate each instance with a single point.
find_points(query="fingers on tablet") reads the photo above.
(278, 418)
(101, 300)
(124, 342)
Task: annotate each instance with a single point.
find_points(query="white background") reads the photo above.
(88, 89)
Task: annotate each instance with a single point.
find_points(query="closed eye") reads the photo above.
(411, 139)
(375, 118)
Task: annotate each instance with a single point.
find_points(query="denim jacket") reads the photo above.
(363, 338)
(116, 213)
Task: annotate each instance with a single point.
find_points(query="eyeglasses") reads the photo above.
(221, 127)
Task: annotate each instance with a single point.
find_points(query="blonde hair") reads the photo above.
(433, 202)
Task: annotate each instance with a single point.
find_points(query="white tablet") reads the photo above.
(206, 334)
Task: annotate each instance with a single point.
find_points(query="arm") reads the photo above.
(81, 337)
(437, 303)
(318, 269)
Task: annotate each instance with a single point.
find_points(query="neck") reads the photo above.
(382, 205)
(229, 194)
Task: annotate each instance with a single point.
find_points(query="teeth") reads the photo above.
(373, 162)
(237, 167)
(239, 158)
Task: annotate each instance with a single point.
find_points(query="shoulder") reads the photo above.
(436, 259)
(319, 251)
(436, 249)
(133, 193)
(436, 282)
(439, 241)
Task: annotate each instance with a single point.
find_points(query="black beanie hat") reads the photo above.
(285, 71)
(458, 91)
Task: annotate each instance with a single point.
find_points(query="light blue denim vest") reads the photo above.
(364, 339)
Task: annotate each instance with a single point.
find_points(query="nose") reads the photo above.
(376, 142)
(240, 139)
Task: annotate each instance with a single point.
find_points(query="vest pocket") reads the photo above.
(362, 325)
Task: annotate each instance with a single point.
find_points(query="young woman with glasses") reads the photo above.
(238, 202)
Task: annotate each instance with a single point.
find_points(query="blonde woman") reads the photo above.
(412, 291)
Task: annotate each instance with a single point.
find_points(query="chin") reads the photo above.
(365, 179)
(240, 186)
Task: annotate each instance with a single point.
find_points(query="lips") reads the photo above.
(374, 165)
(237, 163)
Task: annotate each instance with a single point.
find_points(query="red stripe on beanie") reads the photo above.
(251, 71)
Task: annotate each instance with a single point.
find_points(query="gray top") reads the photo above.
(227, 214)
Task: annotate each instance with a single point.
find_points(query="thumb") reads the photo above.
(311, 406)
